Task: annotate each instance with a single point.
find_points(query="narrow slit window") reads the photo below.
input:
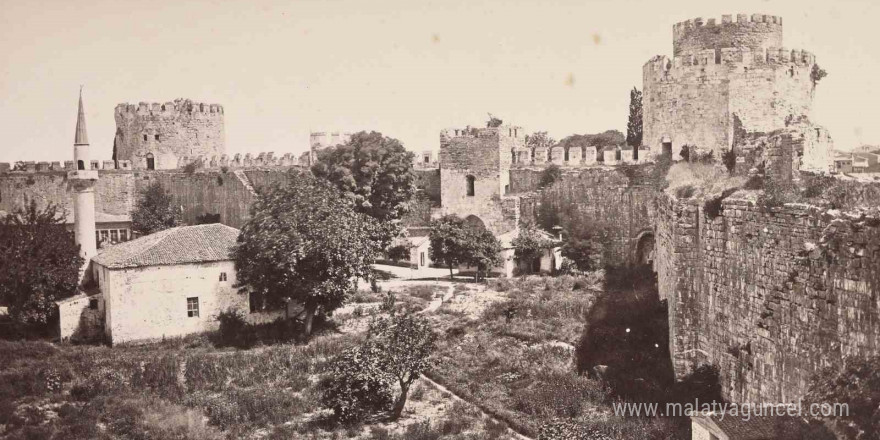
(470, 185)
(222, 276)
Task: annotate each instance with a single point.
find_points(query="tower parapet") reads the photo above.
(756, 31)
(724, 75)
(157, 135)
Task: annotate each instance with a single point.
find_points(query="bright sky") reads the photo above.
(406, 68)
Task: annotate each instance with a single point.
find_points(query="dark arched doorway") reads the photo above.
(475, 222)
(151, 162)
(645, 249)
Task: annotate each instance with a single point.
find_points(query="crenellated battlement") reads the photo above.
(248, 160)
(727, 19)
(168, 109)
(731, 57)
(756, 31)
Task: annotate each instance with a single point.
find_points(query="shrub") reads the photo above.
(191, 167)
(728, 158)
(234, 330)
(685, 192)
(755, 182)
(550, 175)
(357, 385)
(713, 207)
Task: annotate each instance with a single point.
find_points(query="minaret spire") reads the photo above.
(82, 136)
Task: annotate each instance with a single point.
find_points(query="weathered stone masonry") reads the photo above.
(768, 297)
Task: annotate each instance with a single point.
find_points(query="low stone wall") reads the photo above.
(770, 297)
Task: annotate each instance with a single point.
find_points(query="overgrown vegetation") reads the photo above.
(855, 383)
(454, 242)
(549, 176)
(154, 211)
(39, 263)
(515, 361)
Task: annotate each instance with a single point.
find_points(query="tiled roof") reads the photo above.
(181, 245)
(736, 427)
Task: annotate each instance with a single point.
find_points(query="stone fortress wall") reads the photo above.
(722, 72)
(768, 296)
(168, 132)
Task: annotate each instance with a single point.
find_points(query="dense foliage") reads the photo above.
(857, 385)
(454, 243)
(39, 262)
(606, 139)
(357, 385)
(305, 243)
(584, 239)
(539, 139)
(374, 172)
(154, 211)
(530, 244)
(634, 123)
(549, 176)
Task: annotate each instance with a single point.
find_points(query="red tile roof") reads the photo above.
(181, 245)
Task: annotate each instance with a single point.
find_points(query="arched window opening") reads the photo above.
(80, 165)
(151, 162)
(566, 154)
(145, 138)
(470, 185)
(513, 155)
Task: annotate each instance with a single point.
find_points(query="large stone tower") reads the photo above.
(475, 174)
(83, 180)
(725, 78)
(161, 136)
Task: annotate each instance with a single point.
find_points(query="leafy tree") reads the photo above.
(482, 251)
(606, 139)
(549, 176)
(399, 252)
(584, 239)
(539, 139)
(857, 385)
(405, 343)
(305, 243)
(530, 244)
(375, 172)
(39, 262)
(449, 241)
(634, 124)
(154, 211)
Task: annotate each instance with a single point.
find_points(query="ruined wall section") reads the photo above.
(485, 155)
(169, 132)
(755, 32)
(606, 198)
(693, 98)
(769, 297)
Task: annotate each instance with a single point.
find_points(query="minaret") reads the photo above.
(83, 183)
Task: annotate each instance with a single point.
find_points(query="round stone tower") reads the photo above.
(160, 136)
(725, 78)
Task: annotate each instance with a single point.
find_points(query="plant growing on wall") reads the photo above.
(857, 385)
(817, 73)
(154, 211)
(549, 175)
(493, 122)
(305, 243)
(634, 123)
(39, 262)
(375, 172)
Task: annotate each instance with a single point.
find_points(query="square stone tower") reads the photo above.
(475, 174)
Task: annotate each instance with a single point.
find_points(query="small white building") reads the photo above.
(167, 284)
(548, 262)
